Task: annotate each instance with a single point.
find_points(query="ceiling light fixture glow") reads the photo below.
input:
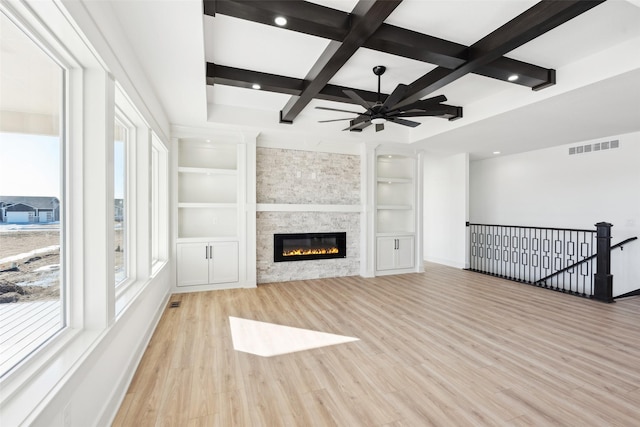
(496, 152)
(513, 77)
(378, 120)
(256, 86)
(280, 21)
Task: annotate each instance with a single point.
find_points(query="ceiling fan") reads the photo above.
(380, 112)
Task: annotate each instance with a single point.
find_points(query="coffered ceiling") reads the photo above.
(575, 63)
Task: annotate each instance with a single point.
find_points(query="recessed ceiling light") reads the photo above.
(280, 20)
(513, 77)
(496, 152)
(256, 86)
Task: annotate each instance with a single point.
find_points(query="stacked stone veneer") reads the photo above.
(336, 182)
(325, 178)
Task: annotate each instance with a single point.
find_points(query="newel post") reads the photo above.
(603, 279)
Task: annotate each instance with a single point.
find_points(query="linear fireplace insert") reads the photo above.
(308, 246)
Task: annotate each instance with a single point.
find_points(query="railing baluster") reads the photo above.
(554, 258)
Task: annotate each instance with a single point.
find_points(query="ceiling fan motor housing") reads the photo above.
(379, 70)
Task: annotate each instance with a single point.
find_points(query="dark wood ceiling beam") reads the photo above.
(421, 47)
(237, 77)
(302, 16)
(532, 23)
(443, 53)
(320, 21)
(366, 17)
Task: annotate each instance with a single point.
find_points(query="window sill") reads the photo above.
(157, 266)
(29, 386)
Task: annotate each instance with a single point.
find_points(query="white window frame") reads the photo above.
(138, 251)
(129, 199)
(32, 34)
(159, 184)
(27, 382)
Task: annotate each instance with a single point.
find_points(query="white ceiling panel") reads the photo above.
(242, 44)
(250, 98)
(606, 25)
(460, 21)
(358, 71)
(343, 5)
(472, 88)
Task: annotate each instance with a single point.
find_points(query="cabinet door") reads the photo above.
(192, 264)
(224, 262)
(404, 252)
(385, 253)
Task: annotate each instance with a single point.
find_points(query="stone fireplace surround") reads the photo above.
(300, 192)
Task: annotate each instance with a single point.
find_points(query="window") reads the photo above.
(155, 211)
(120, 201)
(31, 196)
(71, 142)
(159, 188)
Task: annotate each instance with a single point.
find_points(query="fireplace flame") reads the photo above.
(302, 252)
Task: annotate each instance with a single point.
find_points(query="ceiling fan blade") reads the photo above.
(379, 127)
(436, 99)
(403, 122)
(359, 125)
(429, 113)
(351, 94)
(395, 97)
(334, 120)
(423, 103)
(337, 109)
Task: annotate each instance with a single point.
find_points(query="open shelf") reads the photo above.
(207, 189)
(395, 194)
(207, 221)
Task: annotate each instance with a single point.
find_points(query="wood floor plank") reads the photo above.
(446, 347)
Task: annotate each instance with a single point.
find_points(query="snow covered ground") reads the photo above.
(29, 254)
(7, 228)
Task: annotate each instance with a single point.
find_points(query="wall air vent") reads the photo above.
(598, 146)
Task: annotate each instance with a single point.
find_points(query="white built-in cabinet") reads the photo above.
(396, 213)
(395, 253)
(211, 214)
(207, 263)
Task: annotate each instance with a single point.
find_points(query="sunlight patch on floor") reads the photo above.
(268, 339)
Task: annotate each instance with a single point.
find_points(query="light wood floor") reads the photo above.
(443, 348)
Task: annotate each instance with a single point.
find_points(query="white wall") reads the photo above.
(446, 209)
(99, 24)
(551, 188)
(91, 394)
